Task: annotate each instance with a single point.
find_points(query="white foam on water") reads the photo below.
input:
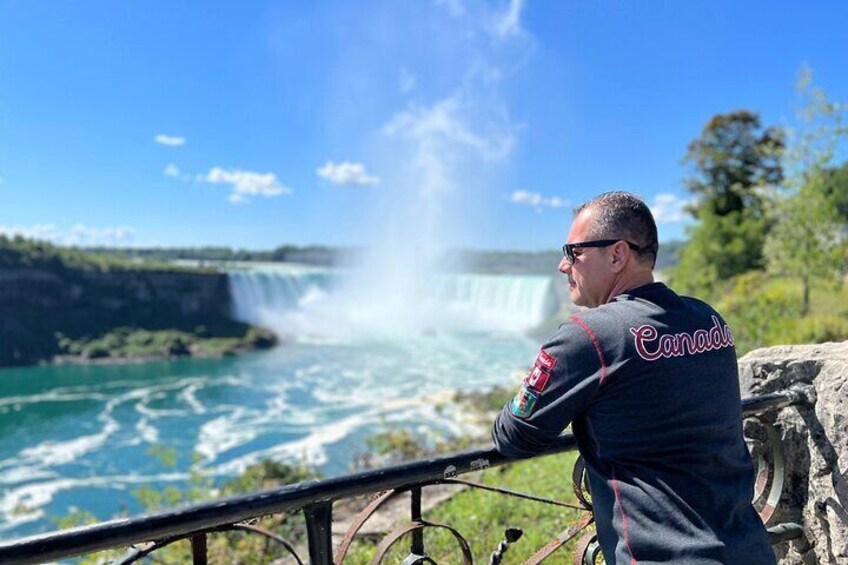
(308, 450)
(148, 413)
(304, 392)
(188, 395)
(50, 453)
(17, 402)
(24, 473)
(292, 413)
(24, 504)
(157, 413)
(222, 434)
(147, 432)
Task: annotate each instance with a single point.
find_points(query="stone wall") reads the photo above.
(815, 440)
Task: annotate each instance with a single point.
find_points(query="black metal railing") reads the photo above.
(147, 534)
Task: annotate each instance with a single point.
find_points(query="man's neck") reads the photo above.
(631, 281)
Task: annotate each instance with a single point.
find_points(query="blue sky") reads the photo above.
(256, 124)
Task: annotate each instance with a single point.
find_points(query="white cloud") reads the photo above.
(347, 173)
(171, 170)
(247, 183)
(537, 200)
(170, 140)
(510, 22)
(79, 234)
(407, 81)
(668, 208)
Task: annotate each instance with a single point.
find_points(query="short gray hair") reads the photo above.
(623, 215)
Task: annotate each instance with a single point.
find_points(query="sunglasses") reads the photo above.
(568, 248)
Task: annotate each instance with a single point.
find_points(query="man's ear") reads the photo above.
(618, 257)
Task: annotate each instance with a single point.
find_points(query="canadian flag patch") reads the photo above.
(545, 361)
(537, 379)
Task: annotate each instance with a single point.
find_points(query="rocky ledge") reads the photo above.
(815, 441)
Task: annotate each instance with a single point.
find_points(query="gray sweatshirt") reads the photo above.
(649, 383)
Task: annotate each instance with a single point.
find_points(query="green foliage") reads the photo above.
(266, 474)
(132, 343)
(75, 518)
(57, 301)
(763, 310)
(835, 180)
(314, 254)
(18, 251)
(808, 241)
(754, 309)
(814, 329)
(734, 160)
(167, 456)
(483, 516)
(719, 248)
(488, 401)
(398, 445)
(733, 157)
(480, 515)
(226, 547)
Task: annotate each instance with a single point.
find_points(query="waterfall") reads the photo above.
(498, 302)
(298, 302)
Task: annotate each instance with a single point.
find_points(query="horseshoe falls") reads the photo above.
(304, 301)
(355, 359)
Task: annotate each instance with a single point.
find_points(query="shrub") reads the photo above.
(753, 305)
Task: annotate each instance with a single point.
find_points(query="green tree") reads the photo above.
(733, 157)
(808, 239)
(836, 188)
(735, 160)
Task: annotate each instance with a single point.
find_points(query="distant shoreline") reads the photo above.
(126, 346)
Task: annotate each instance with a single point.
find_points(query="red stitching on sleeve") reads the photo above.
(597, 345)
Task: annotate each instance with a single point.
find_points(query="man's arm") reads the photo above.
(563, 381)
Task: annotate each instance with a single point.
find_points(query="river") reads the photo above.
(81, 437)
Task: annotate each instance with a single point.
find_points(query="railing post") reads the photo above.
(319, 522)
(198, 549)
(417, 546)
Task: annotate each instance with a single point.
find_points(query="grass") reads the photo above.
(764, 310)
(482, 516)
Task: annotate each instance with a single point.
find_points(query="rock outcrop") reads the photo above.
(815, 440)
(38, 304)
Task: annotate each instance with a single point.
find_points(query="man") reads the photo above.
(648, 380)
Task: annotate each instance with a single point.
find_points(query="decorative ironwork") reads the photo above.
(148, 534)
(767, 452)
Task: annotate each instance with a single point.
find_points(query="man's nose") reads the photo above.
(564, 266)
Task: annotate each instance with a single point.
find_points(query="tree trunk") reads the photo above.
(805, 305)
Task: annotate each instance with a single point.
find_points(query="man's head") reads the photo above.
(620, 252)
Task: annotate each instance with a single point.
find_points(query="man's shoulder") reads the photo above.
(623, 311)
(592, 331)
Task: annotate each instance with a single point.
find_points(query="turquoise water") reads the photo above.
(79, 437)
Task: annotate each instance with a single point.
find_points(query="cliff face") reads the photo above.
(36, 304)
